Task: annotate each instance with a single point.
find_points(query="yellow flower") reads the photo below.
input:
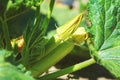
(80, 35)
(65, 31)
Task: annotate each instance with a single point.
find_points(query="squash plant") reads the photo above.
(29, 56)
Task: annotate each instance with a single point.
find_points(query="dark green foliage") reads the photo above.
(17, 12)
(13, 20)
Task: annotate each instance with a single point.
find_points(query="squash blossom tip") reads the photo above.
(65, 31)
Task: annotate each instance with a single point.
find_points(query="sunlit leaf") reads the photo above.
(105, 19)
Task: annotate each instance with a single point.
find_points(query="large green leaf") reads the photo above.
(10, 72)
(105, 19)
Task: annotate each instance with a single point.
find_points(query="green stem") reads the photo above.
(47, 19)
(93, 52)
(6, 33)
(70, 69)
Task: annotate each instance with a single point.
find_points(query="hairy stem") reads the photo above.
(70, 69)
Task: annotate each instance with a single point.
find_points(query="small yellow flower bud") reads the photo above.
(80, 35)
